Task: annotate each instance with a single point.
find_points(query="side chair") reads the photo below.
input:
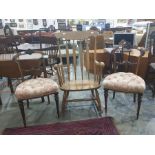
(125, 81)
(37, 87)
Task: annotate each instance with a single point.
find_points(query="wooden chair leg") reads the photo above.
(92, 92)
(134, 97)
(106, 99)
(10, 85)
(139, 104)
(28, 104)
(57, 103)
(113, 94)
(42, 99)
(0, 100)
(21, 107)
(98, 100)
(48, 99)
(153, 92)
(65, 96)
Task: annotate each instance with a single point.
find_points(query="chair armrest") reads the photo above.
(60, 73)
(99, 70)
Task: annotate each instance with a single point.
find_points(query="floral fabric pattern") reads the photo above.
(124, 82)
(34, 88)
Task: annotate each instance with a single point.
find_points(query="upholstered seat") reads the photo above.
(34, 88)
(124, 82)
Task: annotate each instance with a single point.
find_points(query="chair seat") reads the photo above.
(34, 88)
(80, 85)
(124, 82)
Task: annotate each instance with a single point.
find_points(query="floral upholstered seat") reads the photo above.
(34, 88)
(124, 82)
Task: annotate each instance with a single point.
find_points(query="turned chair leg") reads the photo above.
(28, 104)
(48, 99)
(65, 96)
(21, 107)
(134, 97)
(92, 92)
(98, 101)
(57, 103)
(42, 99)
(139, 104)
(114, 94)
(0, 100)
(10, 85)
(106, 99)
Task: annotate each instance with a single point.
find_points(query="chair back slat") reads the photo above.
(29, 64)
(74, 61)
(94, 61)
(68, 62)
(81, 59)
(87, 58)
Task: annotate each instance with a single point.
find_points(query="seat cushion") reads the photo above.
(124, 82)
(34, 88)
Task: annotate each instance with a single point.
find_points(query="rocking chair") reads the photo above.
(78, 78)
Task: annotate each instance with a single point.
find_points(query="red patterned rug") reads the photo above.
(100, 126)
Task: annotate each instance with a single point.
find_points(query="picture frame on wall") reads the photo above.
(44, 22)
(35, 21)
(20, 20)
(12, 20)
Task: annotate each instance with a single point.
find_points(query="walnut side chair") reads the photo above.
(37, 87)
(125, 82)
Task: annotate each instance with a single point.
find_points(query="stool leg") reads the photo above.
(106, 99)
(57, 103)
(139, 104)
(21, 107)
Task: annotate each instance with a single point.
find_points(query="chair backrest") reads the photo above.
(72, 60)
(29, 63)
(52, 50)
(122, 61)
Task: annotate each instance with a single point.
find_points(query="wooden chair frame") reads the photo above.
(72, 84)
(127, 65)
(32, 67)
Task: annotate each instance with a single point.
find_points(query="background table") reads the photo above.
(101, 55)
(27, 46)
